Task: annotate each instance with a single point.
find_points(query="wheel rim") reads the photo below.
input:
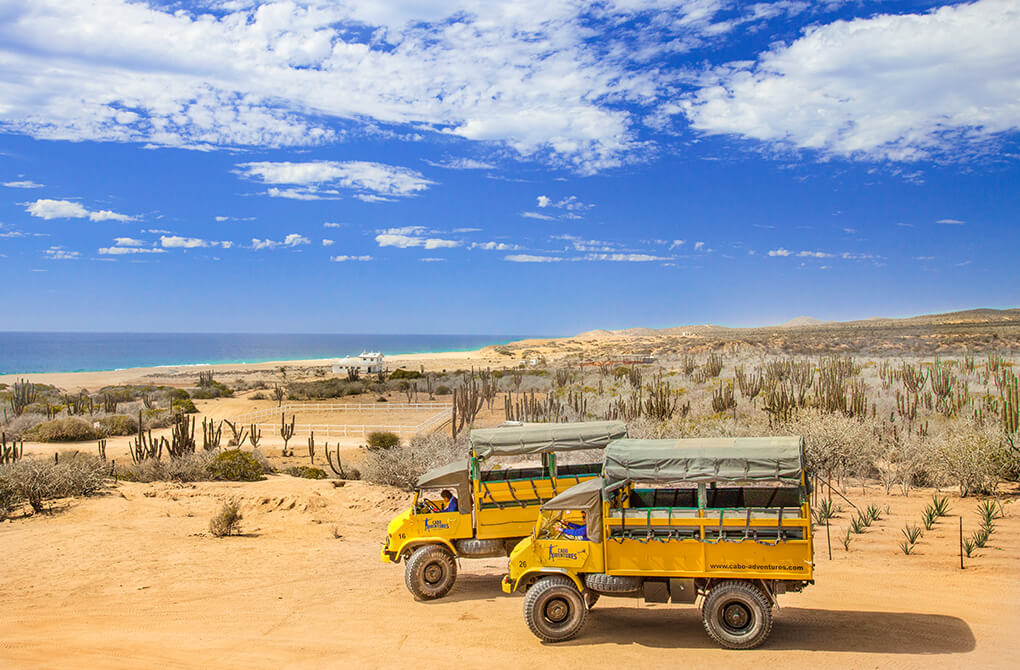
(735, 617)
(434, 573)
(556, 611)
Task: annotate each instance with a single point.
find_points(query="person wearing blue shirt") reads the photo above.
(451, 501)
(575, 531)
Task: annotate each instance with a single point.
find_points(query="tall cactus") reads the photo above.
(211, 434)
(1010, 396)
(12, 453)
(23, 394)
(286, 432)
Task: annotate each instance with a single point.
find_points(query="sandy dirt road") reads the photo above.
(132, 580)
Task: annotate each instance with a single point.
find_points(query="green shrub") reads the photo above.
(178, 394)
(305, 472)
(382, 440)
(234, 465)
(227, 521)
(62, 430)
(156, 418)
(401, 373)
(443, 389)
(214, 390)
(118, 424)
(185, 405)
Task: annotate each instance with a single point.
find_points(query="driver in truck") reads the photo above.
(575, 531)
(450, 500)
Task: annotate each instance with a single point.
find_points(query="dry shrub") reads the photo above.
(234, 465)
(17, 426)
(188, 468)
(227, 521)
(402, 466)
(62, 430)
(118, 424)
(971, 456)
(35, 481)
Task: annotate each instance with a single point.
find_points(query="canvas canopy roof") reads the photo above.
(579, 496)
(542, 438)
(730, 459)
(456, 476)
(586, 496)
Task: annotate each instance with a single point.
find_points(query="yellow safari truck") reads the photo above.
(496, 507)
(724, 520)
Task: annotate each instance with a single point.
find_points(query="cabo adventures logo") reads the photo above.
(435, 524)
(564, 553)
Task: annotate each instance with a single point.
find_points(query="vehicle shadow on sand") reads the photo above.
(795, 629)
(473, 587)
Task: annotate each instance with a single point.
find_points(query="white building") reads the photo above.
(367, 363)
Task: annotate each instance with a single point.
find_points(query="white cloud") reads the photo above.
(780, 252)
(531, 258)
(123, 251)
(22, 184)
(951, 222)
(570, 203)
(545, 79)
(698, 246)
(432, 260)
(676, 243)
(221, 219)
(413, 236)
(128, 242)
(626, 258)
(893, 86)
(61, 254)
(814, 254)
(331, 224)
(327, 242)
(316, 180)
(178, 242)
(45, 208)
(493, 246)
(344, 259)
(461, 164)
(156, 231)
(536, 215)
(290, 241)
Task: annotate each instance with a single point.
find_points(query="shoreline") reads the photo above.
(206, 364)
(184, 374)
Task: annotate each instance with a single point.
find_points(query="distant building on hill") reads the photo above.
(367, 363)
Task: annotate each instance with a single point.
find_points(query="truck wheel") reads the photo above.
(475, 548)
(554, 609)
(430, 572)
(737, 615)
(615, 584)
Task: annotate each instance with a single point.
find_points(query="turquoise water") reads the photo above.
(23, 353)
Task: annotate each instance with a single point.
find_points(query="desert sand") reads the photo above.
(132, 579)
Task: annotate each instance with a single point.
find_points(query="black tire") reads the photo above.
(615, 584)
(737, 615)
(430, 572)
(475, 548)
(554, 609)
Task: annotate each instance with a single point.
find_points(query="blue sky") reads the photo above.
(535, 167)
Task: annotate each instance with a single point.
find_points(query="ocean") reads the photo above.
(24, 353)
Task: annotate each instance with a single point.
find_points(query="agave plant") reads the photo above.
(968, 547)
(906, 547)
(857, 524)
(940, 504)
(928, 517)
(845, 539)
(873, 513)
(988, 512)
(980, 537)
(825, 511)
(912, 532)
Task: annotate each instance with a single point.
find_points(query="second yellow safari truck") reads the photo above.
(486, 511)
(723, 519)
